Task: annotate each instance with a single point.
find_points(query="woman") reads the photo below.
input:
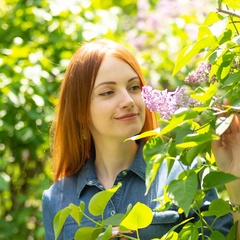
(100, 105)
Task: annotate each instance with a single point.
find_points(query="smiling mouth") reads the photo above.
(129, 116)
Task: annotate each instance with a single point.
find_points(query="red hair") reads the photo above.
(72, 139)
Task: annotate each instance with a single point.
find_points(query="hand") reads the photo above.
(227, 153)
(227, 149)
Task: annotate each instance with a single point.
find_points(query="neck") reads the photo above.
(112, 158)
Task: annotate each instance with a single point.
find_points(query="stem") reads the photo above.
(138, 235)
(228, 12)
(234, 24)
(128, 237)
(97, 223)
(201, 219)
(198, 212)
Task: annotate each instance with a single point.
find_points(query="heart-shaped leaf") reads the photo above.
(99, 201)
(139, 217)
(182, 191)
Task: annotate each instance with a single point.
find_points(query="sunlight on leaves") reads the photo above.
(218, 208)
(99, 201)
(150, 133)
(87, 233)
(154, 152)
(59, 220)
(139, 217)
(182, 191)
(190, 51)
(216, 179)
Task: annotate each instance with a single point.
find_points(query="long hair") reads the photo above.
(72, 139)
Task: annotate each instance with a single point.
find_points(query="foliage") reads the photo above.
(136, 217)
(38, 39)
(192, 130)
(186, 136)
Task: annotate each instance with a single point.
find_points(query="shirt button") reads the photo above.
(90, 183)
(124, 173)
(112, 212)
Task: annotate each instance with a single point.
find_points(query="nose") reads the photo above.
(126, 100)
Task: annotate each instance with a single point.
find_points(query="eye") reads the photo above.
(135, 87)
(107, 93)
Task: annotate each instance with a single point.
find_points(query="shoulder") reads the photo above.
(67, 183)
(61, 193)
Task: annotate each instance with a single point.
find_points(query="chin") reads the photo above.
(133, 133)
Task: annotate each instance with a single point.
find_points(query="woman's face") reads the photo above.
(117, 109)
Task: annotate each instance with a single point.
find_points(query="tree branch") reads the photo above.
(228, 12)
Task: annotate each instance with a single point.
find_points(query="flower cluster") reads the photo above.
(200, 75)
(166, 103)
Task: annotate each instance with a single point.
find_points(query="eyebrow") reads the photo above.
(114, 83)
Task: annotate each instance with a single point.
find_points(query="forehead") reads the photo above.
(113, 68)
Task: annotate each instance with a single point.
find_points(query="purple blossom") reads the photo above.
(166, 103)
(200, 75)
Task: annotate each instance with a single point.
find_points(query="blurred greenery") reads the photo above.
(38, 38)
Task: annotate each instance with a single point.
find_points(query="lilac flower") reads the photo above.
(166, 103)
(201, 74)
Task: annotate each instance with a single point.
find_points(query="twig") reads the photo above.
(228, 12)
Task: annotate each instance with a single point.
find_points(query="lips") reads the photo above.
(127, 116)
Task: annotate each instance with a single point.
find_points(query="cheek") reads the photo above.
(99, 113)
(141, 105)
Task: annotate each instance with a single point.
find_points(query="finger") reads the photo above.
(225, 101)
(234, 125)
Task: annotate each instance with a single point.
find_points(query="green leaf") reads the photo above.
(192, 50)
(99, 201)
(178, 119)
(171, 234)
(59, 220)
(106, 235)
(114, 220)
(212, 18)
(227, 35)
(231, 79)
(139, 217)
(77, 212)
(189, 231)
(182, 191)
(87, 233)
(216, 235)
(232, 4)
(216, 179)
(223, 123)
(150, 133)
(207, 94)
(193, 152)
(218, 208)
(154, 152)
(224, 64)
(192, 140)
(204, 31)
(232, 233)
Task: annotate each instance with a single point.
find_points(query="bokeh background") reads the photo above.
(37, 40)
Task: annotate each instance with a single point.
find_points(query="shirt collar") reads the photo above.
(87, 176)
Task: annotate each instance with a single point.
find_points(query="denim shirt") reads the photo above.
(84, 184)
